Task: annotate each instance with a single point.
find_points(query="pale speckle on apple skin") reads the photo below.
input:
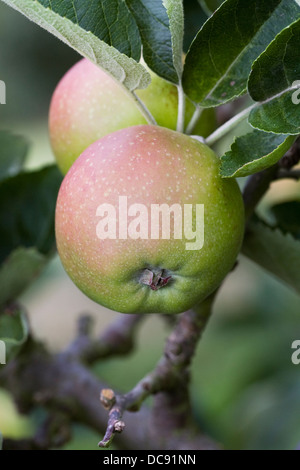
(95, 264)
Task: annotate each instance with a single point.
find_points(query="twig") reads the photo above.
(171, 373)
(117, 339)
(66, 385)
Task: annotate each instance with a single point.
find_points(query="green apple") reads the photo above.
(89, 104)
(145, 223)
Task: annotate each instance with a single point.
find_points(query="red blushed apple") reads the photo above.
(105, 209)
(89, 104)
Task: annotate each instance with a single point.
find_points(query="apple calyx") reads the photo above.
(155, 280)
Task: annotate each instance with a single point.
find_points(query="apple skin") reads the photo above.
(149, 165)
(88, 104)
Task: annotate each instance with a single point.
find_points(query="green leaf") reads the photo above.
(276, 252)
(254, 152)
(176, 17)
(110, 21)
(13, 330)
(18, 271)
(274, 81)
(27, 207)
(194, 18)
(219, 61)
(13, 150)
(154, 26)
(209, 6)
(287, 217)
(124, 69)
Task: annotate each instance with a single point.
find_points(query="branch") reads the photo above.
(61, 384)
(117, 339)
(288, 174)
(292, 157)
(170, 375)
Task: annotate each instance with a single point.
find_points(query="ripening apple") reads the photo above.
(89, 104)
(145, 223)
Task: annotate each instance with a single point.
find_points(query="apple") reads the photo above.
(89, 104)
(124, 257)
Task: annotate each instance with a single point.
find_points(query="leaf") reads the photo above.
(209, 6)
(27, 207)
(219, 61)
(13, 330)
(110, 21)
(124, 69)
(154, 26)
(13, 150)
(176, 16)
(287, 217)
(254, 152)
(18, 271)
(274, 251)
(274, 81)
(194, 17)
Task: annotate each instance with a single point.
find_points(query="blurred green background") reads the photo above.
(245, 389)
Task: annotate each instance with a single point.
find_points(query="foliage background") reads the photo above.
(245, 389)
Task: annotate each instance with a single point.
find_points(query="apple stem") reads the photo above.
(199, 138)
(181, 108)
(229, 125)
(154, 280)
(144, 110)
(195, 118)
